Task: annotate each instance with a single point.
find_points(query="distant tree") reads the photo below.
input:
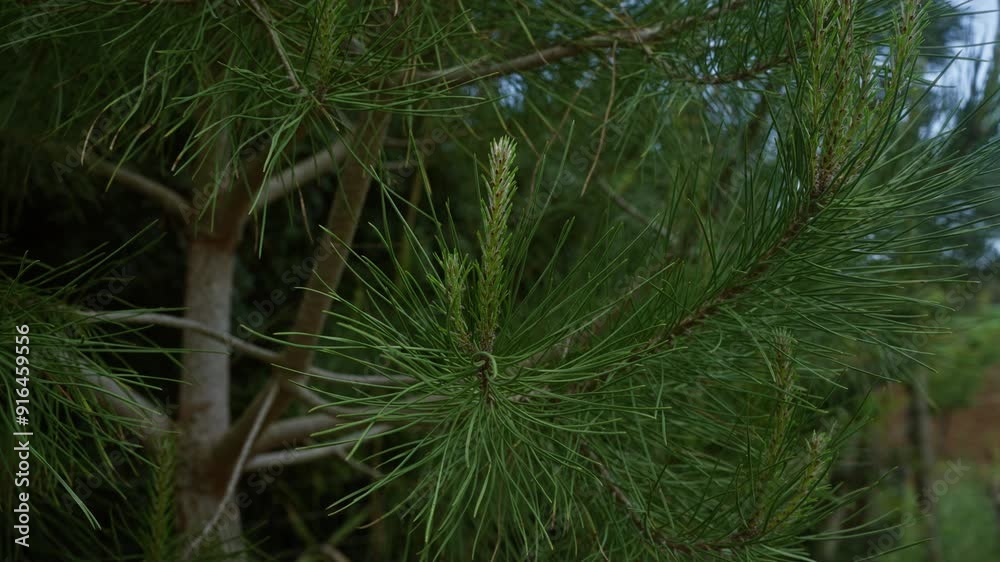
(485, 281)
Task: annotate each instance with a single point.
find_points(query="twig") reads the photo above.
(326, 417)
(549, 55)
(299, 456)
(293, 430)
(265, 16)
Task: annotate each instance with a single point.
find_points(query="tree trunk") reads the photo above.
(204, 398)
(204, 413)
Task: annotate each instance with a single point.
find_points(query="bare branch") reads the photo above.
(304, 171)
(294, 430)
(549, 55)
(170, 200)
(127, 403)
(291, 430)
(340, 449)
(268, 21)
(243, 346)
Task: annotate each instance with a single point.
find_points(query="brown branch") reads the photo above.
(748, 73)
(555, 53)
(331, 254)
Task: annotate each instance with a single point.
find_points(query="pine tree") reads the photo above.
(483, 281)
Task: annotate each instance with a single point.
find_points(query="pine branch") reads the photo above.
(819, 195)
(170, 200)
(265, 17)
(243, 346)
(301, 456)
(304, 171)
(555, 53)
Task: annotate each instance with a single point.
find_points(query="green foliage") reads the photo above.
(632, 341)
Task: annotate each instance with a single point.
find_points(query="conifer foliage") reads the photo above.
(540, 281)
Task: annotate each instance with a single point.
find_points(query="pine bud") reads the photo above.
(495, 238)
